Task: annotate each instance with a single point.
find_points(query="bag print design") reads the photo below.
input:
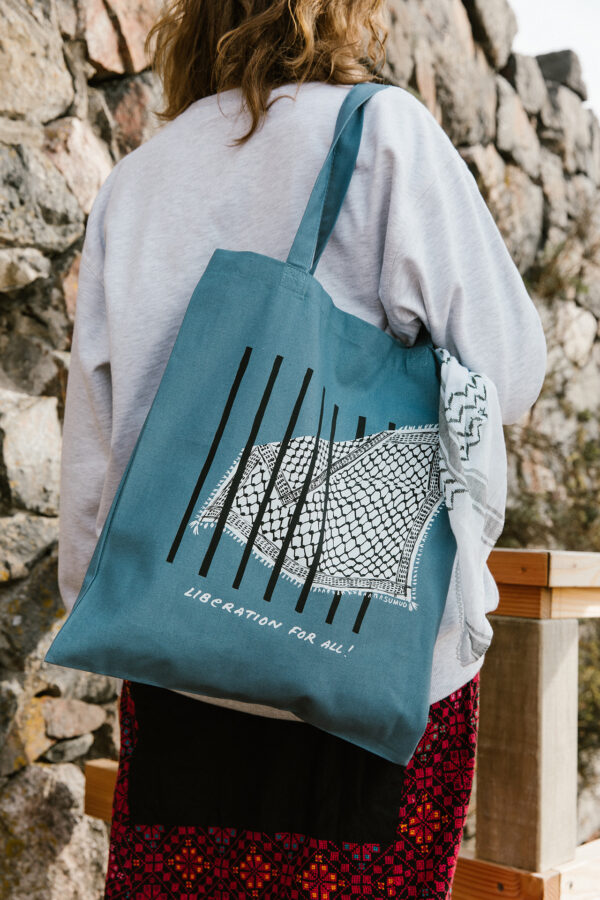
(343, 517)
(372, 502)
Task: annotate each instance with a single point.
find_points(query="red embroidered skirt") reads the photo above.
(214, 803)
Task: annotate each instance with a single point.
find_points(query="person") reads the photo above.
(252, 91)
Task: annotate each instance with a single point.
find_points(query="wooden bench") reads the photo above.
(526, 833)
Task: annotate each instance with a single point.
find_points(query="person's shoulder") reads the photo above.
(167, 133)
(400, 112)
(134, 167)
(409, 136)
(94, 229)
(392, 103)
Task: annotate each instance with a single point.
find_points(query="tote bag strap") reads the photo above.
(333, 180)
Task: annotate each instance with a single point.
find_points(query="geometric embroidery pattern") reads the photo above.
(373, 501)
(465, 413)
(466, 410)
(190, 862)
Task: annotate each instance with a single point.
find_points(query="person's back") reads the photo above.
(413, 209)
(414, 244)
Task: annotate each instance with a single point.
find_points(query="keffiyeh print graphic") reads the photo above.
(473, 483)
(369, 505)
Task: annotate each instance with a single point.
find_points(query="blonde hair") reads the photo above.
(203, 47)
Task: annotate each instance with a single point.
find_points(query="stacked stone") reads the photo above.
(76, 94)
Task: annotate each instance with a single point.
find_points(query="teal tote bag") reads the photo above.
(279, 535)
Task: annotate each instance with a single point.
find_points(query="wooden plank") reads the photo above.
(477, 879)
(545, 568)
(584, 853)
(580, 879)
(520, 566)
(575, 603)
(100, 780)
(532, 602)
(573, 569)
(524, 600)
(527, 744)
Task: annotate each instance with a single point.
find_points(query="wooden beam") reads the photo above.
(525, 600)
(546, 568)
(100, 780)
(571, 569)
(547, 584)
(532, 602)
(580, 879)
(477, 879)
(575, 603)
(529, 567)
(527, 744)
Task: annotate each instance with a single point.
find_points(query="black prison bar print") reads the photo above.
(211, 453)
(333, 608)
(269, 489)
(317, 556)
(361, 613)
(297, 510)
(204, 568)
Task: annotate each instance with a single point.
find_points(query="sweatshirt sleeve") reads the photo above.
(451, 270)
(87, 422)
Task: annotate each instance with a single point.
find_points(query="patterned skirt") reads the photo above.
(216, 803)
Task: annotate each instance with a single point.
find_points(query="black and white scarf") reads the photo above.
(473, 476)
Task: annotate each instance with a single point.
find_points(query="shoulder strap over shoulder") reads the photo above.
(333, 180)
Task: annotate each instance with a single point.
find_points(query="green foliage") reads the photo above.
(549, 278)
(546, 278)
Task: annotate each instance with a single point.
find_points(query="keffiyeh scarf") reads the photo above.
(473, 476)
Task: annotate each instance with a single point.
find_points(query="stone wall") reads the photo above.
(75, 95)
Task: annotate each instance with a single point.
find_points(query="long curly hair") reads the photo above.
(203, 47)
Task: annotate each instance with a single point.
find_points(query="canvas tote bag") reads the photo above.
(279, 535)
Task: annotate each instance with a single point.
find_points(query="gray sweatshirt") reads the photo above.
(430, 252)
